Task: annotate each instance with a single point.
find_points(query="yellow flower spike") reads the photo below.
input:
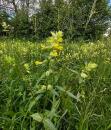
(58, 47)
(60, 33)
(38, 62)
(50, 40)
(56, 37)
(54, 53)
(53, 34)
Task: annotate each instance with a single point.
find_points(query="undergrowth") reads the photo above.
(55, 86)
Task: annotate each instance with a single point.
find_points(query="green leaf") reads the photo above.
(68, 93)
(71, 95)
(38, 117)
(48, 124)
(54, 108)
(109, 126)
(34, 101)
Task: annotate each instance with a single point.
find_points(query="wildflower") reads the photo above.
(27, 67)
(84, 75)
(43, 87)
(56, 37)
(58, 47)
(90, 66)
(59, 36)
(107, 61)
(54, 53)
(49, 87)
(9, 60)
(53, 34)
(48, 72)
(60, 33)
(38, 62)
(50, 40)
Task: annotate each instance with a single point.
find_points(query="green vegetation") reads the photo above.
(78, 19)
(59, 80)
(55, 85)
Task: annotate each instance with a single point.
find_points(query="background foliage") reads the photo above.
(78, 19)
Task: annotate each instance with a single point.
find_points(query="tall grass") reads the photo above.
(63, 91)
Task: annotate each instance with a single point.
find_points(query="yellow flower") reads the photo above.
(38, 62)
(83, 75)
(107, 61)
(48, 87)
(27, 67)
(54, 53)
(56, 37)
(90, 66)
(58, 47)
(60, 33)
(43, 87)
(9, 60)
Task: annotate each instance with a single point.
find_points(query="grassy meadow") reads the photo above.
(55, 85)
